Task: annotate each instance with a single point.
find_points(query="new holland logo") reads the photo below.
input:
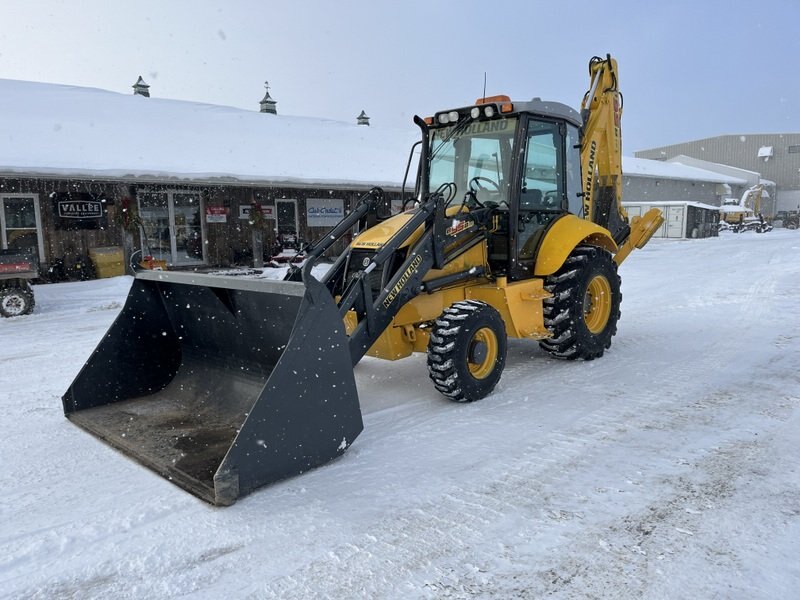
(412, 268)
(589, 180)
(460, 226)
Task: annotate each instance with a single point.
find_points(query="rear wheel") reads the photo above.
(467, 351)
(15, 302)
(583, 312)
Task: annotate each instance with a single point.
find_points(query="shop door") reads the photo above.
(188, 228)
(21, 224)
(288, 233)
(173, 230)
(675, 222)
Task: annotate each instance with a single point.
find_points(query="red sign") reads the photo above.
(267, 211)
(216, 214)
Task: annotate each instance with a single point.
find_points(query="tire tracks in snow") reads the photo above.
(436, 545)
(449, 529)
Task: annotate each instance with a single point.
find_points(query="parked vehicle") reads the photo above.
(17, 268)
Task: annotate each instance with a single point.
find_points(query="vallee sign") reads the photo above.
(80, 209)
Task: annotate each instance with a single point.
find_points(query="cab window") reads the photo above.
(542, 195)
(574, 188)
(475, 157)
(542, 178)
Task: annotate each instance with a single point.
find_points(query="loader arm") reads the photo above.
(425, 253)
(379, 311)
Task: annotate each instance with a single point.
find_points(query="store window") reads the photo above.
(21, 223)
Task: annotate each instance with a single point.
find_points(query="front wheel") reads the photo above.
(15, 302)
(467, 351)
(583, 312)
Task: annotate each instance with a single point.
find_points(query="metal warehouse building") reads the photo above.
(776, 156)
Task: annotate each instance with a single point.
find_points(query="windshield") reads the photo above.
(476, 156)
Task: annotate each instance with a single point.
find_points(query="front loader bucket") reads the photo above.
(220, 384)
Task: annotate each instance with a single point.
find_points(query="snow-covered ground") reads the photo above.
(666, 469)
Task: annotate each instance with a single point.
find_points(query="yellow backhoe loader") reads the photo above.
(515, 229)
(744, 214)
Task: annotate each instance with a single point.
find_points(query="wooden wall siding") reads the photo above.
(63, 243)
(225, 242)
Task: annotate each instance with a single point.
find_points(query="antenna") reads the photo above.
(484, 85)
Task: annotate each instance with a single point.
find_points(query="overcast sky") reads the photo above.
(688, 69)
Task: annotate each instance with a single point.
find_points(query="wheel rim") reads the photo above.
(13, 305)
(597, 304)
(482, 355)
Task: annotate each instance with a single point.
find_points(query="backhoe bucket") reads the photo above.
(220, 384)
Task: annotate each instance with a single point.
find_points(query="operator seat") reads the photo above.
(530, 199)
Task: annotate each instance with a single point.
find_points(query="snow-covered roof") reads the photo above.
(643, 167)
(58, 130)
(714, 167)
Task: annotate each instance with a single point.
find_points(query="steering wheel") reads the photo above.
(475, 186)
(476, 181)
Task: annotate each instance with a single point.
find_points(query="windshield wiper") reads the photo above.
(457, 128)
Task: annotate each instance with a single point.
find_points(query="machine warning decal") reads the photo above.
(459, 226)
(412, 268)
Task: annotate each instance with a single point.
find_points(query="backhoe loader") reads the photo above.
(515, 229)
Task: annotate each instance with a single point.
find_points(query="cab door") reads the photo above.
(542, 196)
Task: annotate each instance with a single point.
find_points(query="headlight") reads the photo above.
(453, 114)
(444, 119)
(489, 111)
(475, 112)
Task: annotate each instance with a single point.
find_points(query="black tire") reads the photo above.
(15, 302)
(584, 309)
(467, 351)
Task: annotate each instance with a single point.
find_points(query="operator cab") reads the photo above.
(520, 161)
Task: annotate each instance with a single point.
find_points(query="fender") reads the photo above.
(561, 239)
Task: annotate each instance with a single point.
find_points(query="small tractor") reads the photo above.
(17, 268)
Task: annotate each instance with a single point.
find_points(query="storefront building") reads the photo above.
(64, 221)
(87, 170)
